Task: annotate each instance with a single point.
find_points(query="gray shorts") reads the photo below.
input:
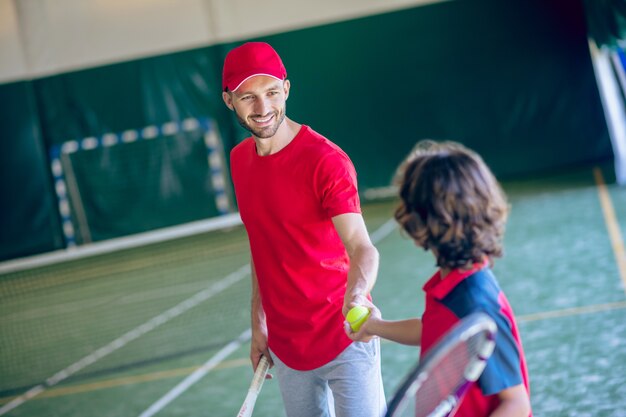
(350, 385)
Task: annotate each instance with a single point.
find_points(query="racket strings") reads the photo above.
(446, 374)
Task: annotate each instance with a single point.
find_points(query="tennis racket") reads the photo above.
(255, 388)
(436, 385)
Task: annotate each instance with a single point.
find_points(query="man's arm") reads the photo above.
(363, 258)
(258, 343)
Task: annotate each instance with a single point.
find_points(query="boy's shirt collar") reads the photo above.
(439, 288)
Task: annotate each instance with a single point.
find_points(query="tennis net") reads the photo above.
(127, 306)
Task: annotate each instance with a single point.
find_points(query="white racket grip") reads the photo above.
(259, 374)
(248, 404)
(255, 388)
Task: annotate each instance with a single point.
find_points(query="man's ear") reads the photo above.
(228, 99)
(286, 86)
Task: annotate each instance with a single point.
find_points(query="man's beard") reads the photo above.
(265, 132)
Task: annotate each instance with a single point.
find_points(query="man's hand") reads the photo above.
(367, 330)
(258, 348)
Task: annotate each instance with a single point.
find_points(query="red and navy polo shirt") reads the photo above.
(459, 294)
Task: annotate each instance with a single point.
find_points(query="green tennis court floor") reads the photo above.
(561, 273)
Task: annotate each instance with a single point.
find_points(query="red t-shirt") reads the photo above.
(286, 201)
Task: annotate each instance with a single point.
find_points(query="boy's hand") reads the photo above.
(365, 333)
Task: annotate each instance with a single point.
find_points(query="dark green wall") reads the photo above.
(513, 80)
(28, 221)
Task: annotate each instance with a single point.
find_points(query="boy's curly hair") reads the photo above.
(451, 203)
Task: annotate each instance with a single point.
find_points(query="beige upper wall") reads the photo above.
(61, 35)
(44, 37)
(240, 19)
(11, 55)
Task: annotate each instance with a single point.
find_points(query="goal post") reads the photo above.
(139, 180)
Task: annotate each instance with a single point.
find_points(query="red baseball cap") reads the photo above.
(248, 60)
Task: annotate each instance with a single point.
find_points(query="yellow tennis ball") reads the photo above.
(357, 316)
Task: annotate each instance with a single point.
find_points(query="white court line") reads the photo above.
(151, 324)
(197, 375)
(378, 235)
(383, 231)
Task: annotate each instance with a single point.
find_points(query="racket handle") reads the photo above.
(255, 388)
(259, 374)
(248, 404)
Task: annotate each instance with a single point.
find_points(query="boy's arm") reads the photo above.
(514, 402)
(406, 332)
